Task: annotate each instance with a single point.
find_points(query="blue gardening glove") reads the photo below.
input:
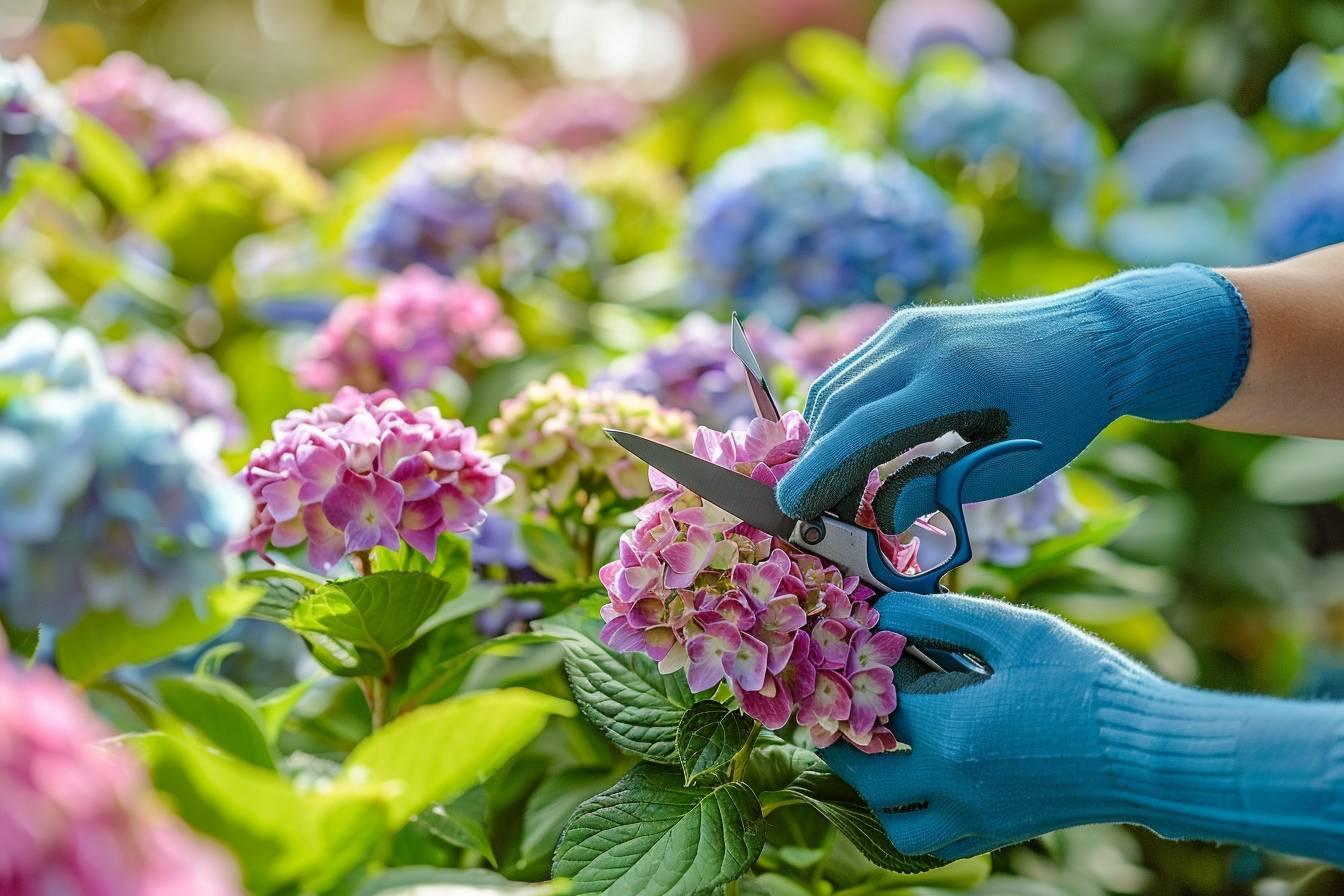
(1068, 731)
(1166, 344)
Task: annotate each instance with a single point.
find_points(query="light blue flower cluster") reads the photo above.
(791, 222)
(1003, 531)
(1304, 209)
(1307, 92)
(1200, 150)
(34, 118)
(484, 203)
(1201, 231)
(902, 29)
(1021, 128)
(107, 500)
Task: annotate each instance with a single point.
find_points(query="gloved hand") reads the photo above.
(1068, 731)
(1166, 344)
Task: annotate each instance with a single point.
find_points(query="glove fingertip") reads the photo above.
(898, 506)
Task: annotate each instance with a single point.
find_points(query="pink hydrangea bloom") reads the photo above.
(418, 325)
(78, 817)
(154, 114)
(705, 594)
(818, 342)
(576, 117)
(363, 471)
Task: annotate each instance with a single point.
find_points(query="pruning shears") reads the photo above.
(852, 548)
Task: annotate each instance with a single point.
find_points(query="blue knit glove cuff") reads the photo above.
(1173, 342)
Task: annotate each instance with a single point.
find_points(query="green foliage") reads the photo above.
(103, 640)
(110, 166)
(549, 552)
(221, 713)
(709, 735)
(651, 834)
(22, 641)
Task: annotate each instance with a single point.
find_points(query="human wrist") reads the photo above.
(1189, 763)
(1172, 343)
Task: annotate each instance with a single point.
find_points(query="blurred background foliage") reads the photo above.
(1217, 557)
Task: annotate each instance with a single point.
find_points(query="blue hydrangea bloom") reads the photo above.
(497, 542)
(1304, 209)
(904, 28)
(1201, 231)
(477, 203)
(1003, 531)
(791, 222)
(1305, 93)
(106, 500)
(34, 118)
(1200, 150)
(999, 117)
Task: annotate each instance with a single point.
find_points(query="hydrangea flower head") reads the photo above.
(694, 369)
(143, 105)
(641, 198)
(1304, 208)
(158, 366)
(77, 816)
(818, 342)
(363, 471)
(269, 172)
(1307, 93)
(418, 326)
(1018, 127)
(107, 500)
(791, 222)
(903, 28)
(575, 117)
(1203, 231)
(34, 118)
(1004, 530)
(486, 203)
(563, 463)
(718, 600)
(1200, 150)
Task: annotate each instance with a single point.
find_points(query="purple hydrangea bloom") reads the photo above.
(1003, 531)
(367, 471)
(1307, 92)
(34, 118)
(158, 366)
(418, 326)
(1200, 150)
(107, 500)
(496, 542)
(997, 117)
(145, 107)
(482, 203)
(818, 342)
(903, 28)
(77, 814)
(1304, 208)
(792, 222)
(694, 369)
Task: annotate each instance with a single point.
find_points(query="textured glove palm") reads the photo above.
(1070, 731)
(1167, 344)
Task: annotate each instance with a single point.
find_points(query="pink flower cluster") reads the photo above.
(363, 471)
(699, 590)
(77, 817)
(418, 326)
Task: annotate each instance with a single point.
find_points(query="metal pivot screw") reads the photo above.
(813, 533)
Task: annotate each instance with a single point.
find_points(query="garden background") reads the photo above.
(373, 661)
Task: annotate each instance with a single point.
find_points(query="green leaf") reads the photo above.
(222, 713)
(460, 823)
(551, 804)
(848, 869)
(276, 706)
(837, 802)
(1298, 471)
(549, 552)
(437, 752)
(649, 834)
(840, 67)
(282, 589)
(708, 737)
(448, 671)
(637, 707)
(425, 881)
(103, 640)
(212, 661)
(772, 885)
(281, 833)
(452, 561)
(356, 626)
(109, 165)
(22, 641)
(555, 596)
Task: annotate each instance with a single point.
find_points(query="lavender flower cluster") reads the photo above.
(791, 222)
(418, 326)
(155, 115)
(158, 366)
(902, 29)
(487, 204)
(106, 500)
(364, 471)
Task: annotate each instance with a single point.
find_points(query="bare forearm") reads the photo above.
(1294, 382)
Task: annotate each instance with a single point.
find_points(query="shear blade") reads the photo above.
(761, 398)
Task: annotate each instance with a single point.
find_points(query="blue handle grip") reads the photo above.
(946, 498)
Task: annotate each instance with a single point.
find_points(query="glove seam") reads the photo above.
(1243, 319)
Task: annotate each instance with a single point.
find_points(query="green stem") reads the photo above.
(730, 889)
(363, 563)
(740, 760)
(375, 694)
